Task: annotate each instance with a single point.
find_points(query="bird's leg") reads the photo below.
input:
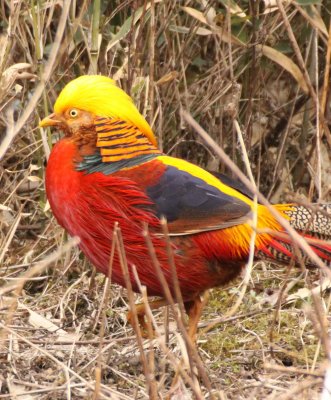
(141, 313)
(194, 310)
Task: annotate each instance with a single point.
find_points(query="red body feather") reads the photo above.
(88, 205)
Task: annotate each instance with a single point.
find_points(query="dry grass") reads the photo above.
(63, 332)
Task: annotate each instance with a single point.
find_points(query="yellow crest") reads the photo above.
(101, 96)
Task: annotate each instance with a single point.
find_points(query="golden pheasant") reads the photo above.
(108, 169)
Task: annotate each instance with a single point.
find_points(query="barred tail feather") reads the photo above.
(283, 251)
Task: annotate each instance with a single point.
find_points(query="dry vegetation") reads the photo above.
(224, 61)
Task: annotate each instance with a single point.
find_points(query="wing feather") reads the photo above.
(192, 205)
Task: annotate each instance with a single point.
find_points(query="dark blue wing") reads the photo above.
(191, 205)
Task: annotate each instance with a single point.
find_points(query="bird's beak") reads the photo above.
(51, 120)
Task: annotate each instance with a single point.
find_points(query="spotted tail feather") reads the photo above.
(314, 221)
(314, 224)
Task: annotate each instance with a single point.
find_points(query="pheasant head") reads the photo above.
(94, 111)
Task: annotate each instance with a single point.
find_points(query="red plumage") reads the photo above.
(88, 205)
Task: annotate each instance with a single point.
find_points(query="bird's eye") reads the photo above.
(73, 113)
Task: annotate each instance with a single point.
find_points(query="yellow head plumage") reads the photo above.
(101, 96)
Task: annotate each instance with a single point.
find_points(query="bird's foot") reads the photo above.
(146, 329)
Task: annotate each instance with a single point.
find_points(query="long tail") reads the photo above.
(313, 223)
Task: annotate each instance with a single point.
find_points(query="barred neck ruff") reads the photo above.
(119, 141)
(119, 145)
